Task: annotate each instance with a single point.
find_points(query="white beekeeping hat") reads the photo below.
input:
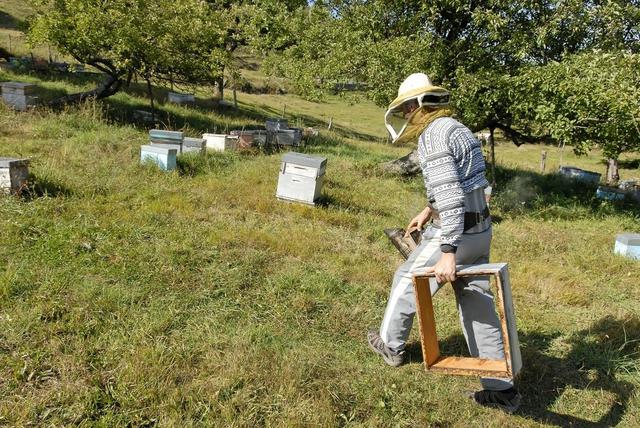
(417, 87)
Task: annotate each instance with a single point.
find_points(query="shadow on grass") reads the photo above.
(39, 187)
(555, 196)
(10, 22)
(610, 346)
(629, 164)
(314, 122)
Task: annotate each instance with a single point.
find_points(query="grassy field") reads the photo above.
(133, 297)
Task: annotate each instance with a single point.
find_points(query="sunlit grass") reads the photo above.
(131, 296)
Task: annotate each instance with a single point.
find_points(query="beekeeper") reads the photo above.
(459, 233)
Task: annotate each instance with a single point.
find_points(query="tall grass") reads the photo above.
(131, 296)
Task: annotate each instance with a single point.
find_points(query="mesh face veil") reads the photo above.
(416, 89)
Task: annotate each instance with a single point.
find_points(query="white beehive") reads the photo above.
(178, 98)
(13, 174)
(163, 155)
(18, 95)
(628, 244)
(301, 177)
(221, 142)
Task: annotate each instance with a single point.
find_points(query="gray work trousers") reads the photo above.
(476, 307)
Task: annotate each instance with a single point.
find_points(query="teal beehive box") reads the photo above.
(628, 245)
(171, 137)
(163, 155)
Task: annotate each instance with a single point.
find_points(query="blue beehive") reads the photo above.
(628, 244)
(163, 155)
(580, 174)
(609, 193)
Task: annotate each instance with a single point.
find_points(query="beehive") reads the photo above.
(178, 98)
(193, 145)
(172, 138)
(249, 138)
(609, 193)
(289, 137)
(163, 155)
(13, 174)
(301, 177)
(221, 142)
(18, 95)
(628, 245)
(580, 174)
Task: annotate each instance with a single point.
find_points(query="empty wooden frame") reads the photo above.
(507, 368)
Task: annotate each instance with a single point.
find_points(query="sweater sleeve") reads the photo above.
(444, 181)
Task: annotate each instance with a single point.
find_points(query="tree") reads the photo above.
(587, 100)
(477, 49)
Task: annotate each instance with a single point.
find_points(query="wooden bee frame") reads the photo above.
(433, 361)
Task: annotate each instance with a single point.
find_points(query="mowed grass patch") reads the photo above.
(134, 296)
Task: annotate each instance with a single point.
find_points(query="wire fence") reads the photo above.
(17, 45)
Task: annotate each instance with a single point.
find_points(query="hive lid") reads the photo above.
(26, 87)
(160, 148)
(158, 134)
(304, 160)
(188, 141)
(628, 238)
(13, 162)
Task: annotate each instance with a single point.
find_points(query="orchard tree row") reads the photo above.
(564, 71)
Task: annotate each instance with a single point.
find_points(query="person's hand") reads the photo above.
(418, 221)
(445, 269)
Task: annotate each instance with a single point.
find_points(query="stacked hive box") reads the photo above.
(13, 174)
(18, 95)
(164, 148)
(173, 138)
(301, 177)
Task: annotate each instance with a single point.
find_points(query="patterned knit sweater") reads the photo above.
(452, 164)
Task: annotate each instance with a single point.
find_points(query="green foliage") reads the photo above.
(559, 70)
(585, 100)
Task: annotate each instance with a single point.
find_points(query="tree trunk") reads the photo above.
(613, 174)
(408, 165)
(150, 94)
(218, 89)
(109, 87)
(492, 145)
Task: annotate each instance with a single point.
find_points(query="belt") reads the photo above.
(471, 219)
